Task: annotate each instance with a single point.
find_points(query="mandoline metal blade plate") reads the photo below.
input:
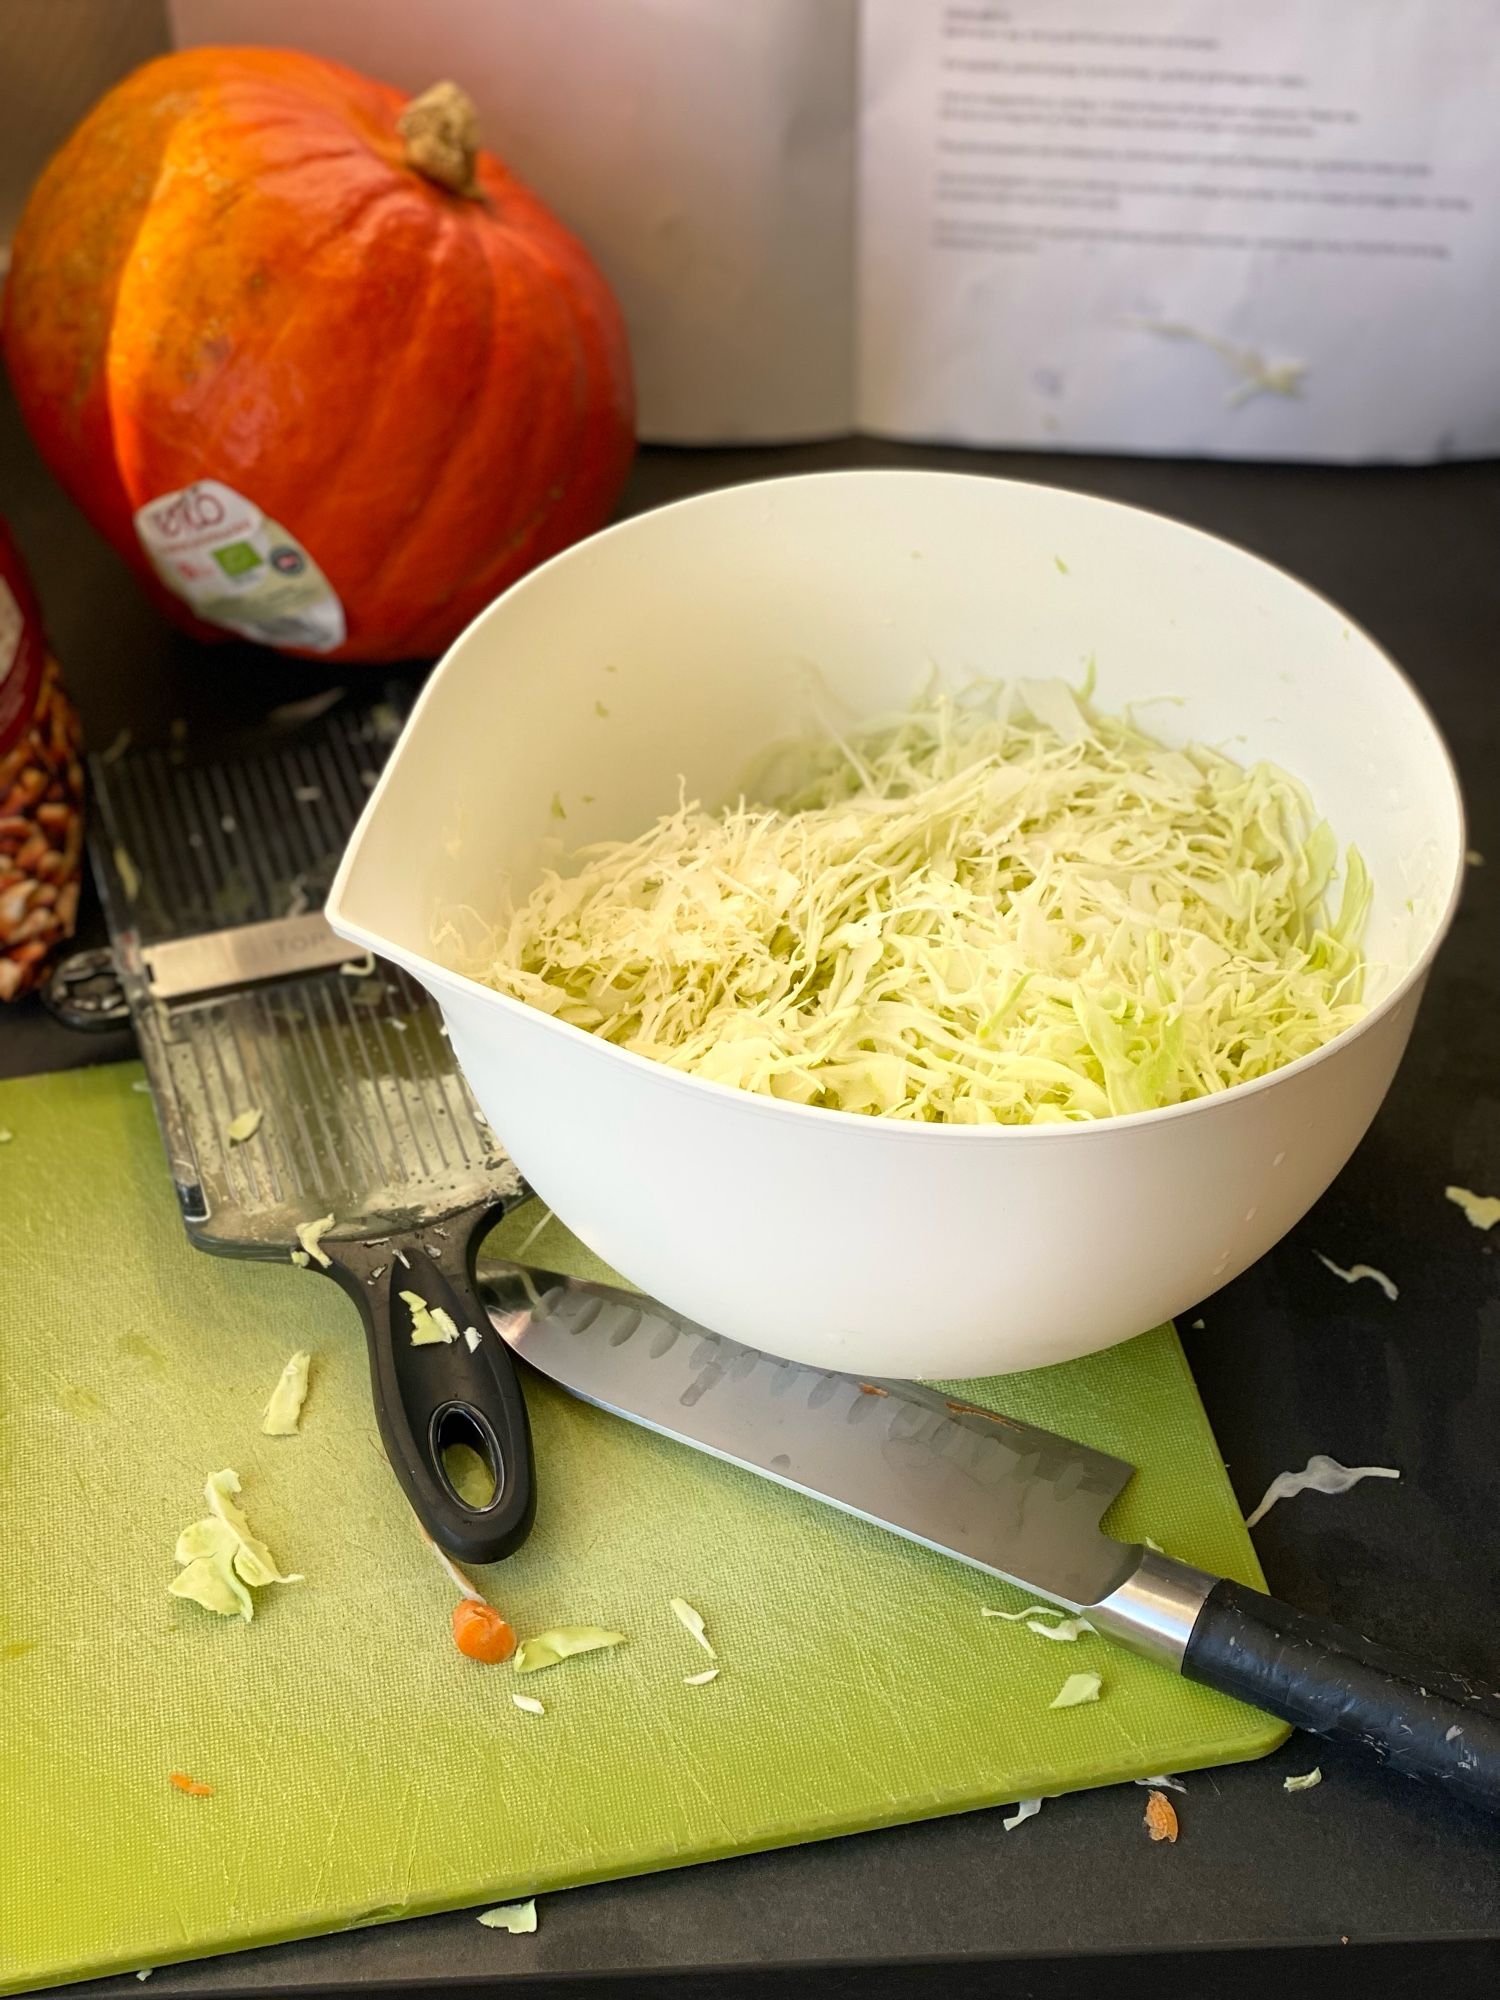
(364, 1114)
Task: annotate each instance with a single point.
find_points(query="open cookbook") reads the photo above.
(1180, 226)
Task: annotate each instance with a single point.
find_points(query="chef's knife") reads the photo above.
(1012, 1500)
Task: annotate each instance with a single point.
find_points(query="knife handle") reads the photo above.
(1427, 1723)
(431, 1397)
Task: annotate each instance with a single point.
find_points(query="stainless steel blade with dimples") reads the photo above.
(1008, 1498)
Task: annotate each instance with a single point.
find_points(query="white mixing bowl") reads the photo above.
(678, 644)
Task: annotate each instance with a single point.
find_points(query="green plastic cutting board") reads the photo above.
(361, 1769)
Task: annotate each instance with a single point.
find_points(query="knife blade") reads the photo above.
(1006, 1497)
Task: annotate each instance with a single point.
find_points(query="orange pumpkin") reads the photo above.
(324, 373)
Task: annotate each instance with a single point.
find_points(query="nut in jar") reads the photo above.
(41, 789)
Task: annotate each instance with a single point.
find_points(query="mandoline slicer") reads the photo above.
(213, 875)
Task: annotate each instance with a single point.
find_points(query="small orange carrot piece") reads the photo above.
(1161, 1816)
(480, 1633)
(189, 1785)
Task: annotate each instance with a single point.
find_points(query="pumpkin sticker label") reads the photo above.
(216, 550)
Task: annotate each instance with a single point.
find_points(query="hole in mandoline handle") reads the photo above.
(469, 1455)
(448, 1414)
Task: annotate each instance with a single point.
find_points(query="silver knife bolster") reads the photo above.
(1155, 1609)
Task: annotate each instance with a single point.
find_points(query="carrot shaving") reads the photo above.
(480, 1633)
(191, 1786)
(1161, 1817)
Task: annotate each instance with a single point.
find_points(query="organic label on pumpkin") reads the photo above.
(215, 550)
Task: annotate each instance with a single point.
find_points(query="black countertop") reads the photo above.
(1369, 1878)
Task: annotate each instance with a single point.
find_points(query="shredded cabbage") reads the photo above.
(999, 907)
(517, 1918)
(1352, 1273)
(1077, 1688)
(220, 1555)
(1483, 1210)
(310, 1235)
(548, 1648)
(430, 1325)
(1321, 1474)
(129, 874)
(692, 1621)
(1065, 1628)
(283, 1413)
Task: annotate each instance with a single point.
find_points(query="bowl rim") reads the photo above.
(900, 1130)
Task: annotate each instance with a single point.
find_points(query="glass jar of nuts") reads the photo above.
(41, 789)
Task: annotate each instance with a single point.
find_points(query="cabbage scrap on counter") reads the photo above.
(1002, 906)
(220, 1555)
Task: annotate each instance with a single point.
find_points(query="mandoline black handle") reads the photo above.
(1426, 1723)
(430, 1397)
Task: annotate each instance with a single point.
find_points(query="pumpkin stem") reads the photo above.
(441, 131)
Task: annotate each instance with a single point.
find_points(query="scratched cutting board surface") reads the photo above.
(361, 1769)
